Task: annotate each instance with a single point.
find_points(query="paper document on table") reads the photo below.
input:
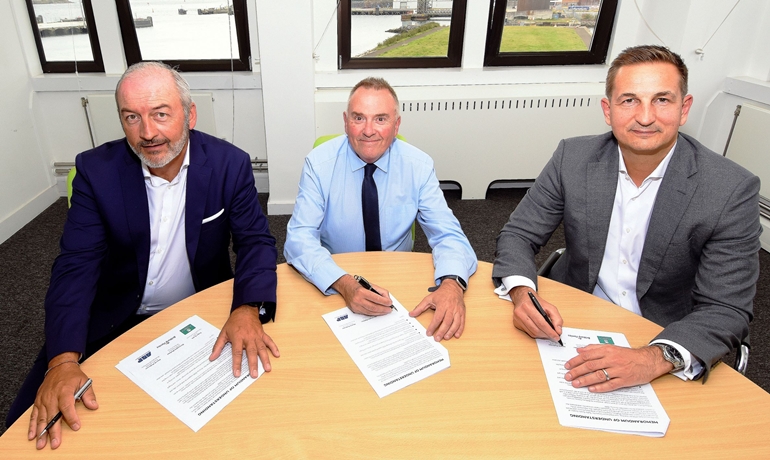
(392, 351)
(634, 410)
(175, 370)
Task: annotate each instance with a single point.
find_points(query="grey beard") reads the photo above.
(174, 150)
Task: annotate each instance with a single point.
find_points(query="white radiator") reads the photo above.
(477, 141)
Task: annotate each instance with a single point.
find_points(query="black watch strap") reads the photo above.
(460, 281)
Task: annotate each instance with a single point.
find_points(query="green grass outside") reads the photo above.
(536, 38)
(435, 44)
(515, 39)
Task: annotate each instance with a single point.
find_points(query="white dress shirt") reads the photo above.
(630, 219)
(169, 279)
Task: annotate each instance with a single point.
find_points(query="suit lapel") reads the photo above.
(137, 209)
(198, 178)
(602, 182)
(676, 191)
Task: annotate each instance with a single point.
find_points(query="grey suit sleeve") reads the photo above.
(725, 281)
(531, 223)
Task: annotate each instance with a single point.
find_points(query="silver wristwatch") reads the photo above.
(672, 355)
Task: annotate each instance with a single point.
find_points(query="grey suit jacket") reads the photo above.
(699, 266)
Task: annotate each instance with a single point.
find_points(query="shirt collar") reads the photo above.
(357, 163)
(657, 173)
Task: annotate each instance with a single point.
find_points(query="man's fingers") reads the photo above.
(436, 328)
(89, 398)
(253, 352)
(219, 345)
(54, 434)
(237, 350)
(264, 356)
(32, 431)
(457, 321)
(461, 327)
(271, 345)
(421, 307)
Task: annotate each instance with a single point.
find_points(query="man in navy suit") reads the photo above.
(151, 221)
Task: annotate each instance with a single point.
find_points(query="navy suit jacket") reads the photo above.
(98, 280)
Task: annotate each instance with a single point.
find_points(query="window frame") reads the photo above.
(133, 51)
(596, 55)
(96, 65)
(452, 59)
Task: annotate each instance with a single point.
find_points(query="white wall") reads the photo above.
(26, 181)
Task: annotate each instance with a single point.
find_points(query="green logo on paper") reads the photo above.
(606, 340)
(187, 329)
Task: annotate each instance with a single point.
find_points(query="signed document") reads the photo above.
(175, 370)
(392, 351)
(633, 410)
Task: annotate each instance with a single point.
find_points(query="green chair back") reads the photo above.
(70, 177)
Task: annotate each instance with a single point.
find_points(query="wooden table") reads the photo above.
(492, 403)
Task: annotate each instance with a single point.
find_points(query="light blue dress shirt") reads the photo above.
(327, 216)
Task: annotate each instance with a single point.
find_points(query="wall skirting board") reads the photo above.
(24, 214)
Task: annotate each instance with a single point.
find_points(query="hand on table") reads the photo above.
(526, 317)
(625, 367)
(361, 300)
(244, 331)
(57, 393)
(449, 319)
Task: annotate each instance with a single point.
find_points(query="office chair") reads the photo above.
(328, 137)
(741, 355)
(70, 177)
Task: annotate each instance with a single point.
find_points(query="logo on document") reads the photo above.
(342, 318)
(143, 357)
(187, 329)
(603, 339)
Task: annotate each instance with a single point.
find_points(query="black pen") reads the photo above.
(542, 312)
(78, 395)
(365, 284)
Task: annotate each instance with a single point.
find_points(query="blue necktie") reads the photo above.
(371, 209)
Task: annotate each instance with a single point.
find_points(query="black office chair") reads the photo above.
(741, 356)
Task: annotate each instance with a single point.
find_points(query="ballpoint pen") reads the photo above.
(365, 284)
(542, 312)
(56, 418)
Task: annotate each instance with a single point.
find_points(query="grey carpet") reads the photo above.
(26, 259)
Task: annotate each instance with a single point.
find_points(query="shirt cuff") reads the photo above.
(692, 366)
(266, 311)
(510, 282)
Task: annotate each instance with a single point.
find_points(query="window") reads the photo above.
(194, 35)
(549, 32)
(65, 35)
(375, 34)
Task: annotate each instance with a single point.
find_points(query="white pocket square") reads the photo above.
(209, 219)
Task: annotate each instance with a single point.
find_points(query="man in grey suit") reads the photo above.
(654, 222)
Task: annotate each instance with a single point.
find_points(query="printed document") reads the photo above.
(392, 351)
(634, 410)
(175, 370)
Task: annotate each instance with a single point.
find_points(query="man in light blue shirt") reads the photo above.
(328, 214)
